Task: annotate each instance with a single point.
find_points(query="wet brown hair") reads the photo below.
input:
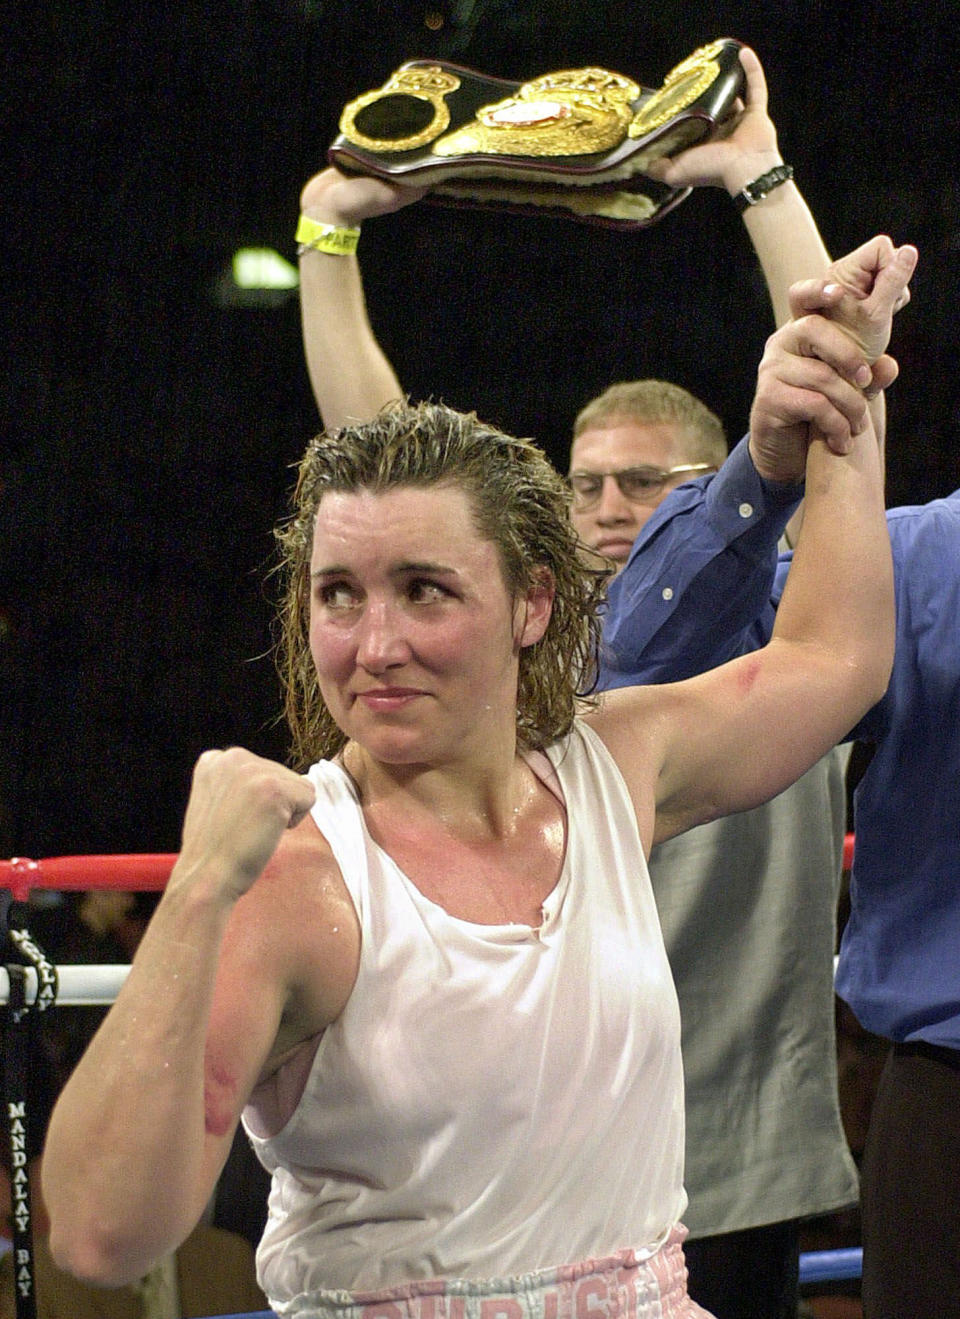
(520, 504)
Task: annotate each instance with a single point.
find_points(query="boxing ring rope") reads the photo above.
(138, 872)
(145, 872)
(133, 872)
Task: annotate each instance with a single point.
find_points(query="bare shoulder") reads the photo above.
(630, 720)
(633, 722)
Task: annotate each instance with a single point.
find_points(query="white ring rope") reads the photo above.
(80, 986)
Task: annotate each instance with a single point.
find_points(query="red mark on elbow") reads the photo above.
(747, 673)
(219, 1096)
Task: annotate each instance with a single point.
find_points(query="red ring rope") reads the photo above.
(131, 872)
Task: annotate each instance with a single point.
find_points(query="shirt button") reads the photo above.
(746, 510)
(667, 593)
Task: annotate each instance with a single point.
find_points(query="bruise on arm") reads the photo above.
(248, 1005)
(747, 672)
(222, 1099)
(288, 962)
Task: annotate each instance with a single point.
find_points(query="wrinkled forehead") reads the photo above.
(404, 523)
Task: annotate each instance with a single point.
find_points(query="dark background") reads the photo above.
(148, 432)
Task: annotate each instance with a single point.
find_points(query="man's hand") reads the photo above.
(334, 198)
(819, 370)
(811, 379)
(862, 292)
(240, 806)
(744, 149)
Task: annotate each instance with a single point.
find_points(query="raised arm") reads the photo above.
(139, 1135)
(781, 228)
(349, 373)
(780, 225)
(697, 588)
(733, 737)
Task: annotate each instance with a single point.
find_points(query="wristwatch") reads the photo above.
(756, 191)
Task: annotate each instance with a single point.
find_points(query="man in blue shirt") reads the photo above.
(899, 965)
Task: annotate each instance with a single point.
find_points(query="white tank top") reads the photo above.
(494, 1099)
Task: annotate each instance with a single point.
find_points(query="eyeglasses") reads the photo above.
(641, 485)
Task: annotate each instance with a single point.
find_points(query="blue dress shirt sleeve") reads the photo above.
(703, 579)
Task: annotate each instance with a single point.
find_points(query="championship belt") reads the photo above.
(574, 143)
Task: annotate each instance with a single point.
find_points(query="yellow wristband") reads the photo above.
(312, 236)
